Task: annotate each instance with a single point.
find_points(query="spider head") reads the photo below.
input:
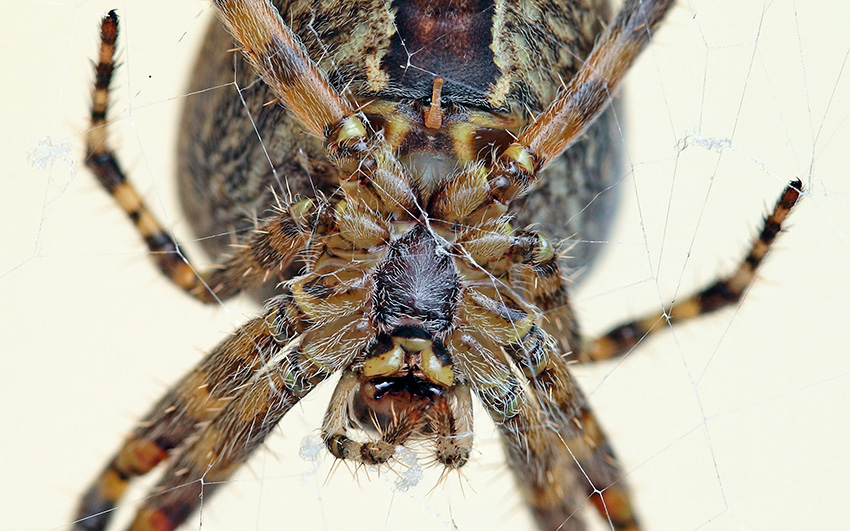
(405, 373)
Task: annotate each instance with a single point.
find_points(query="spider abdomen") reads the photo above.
(237, 155)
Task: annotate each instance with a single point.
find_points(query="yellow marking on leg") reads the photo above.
(111, 485)
(687, 309)
(147, 225)
(720, 294)
(501, 318)
(127, 197)
(259, 398)
(207, 457)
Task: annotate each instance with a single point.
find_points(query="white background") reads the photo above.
(737, 422)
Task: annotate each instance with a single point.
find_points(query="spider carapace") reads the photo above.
(405, 242)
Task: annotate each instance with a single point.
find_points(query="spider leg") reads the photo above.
(720, 294)
(199, 397)
(536, 451)
(540, 275)
(268, 250)
(557, 474)
(104, 165)
(281, 60)
(221, 446)
(318, 326)
(580, 103)
(577, 456)
(375, 177)
(577, 434)
(532, 264)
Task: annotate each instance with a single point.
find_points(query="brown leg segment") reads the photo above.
(225, 443)
(544, 471)
(585, 97)
(569, 457)
(721, 294)
(101, 161)
(584, 445)
(577, 456)
(268, 250)
(199, 397)
(280, 58)
(540, 274)
(548, 481)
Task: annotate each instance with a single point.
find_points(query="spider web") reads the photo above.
(735, 422)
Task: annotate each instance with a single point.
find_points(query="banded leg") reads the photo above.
(578, 455)
(578, 448)
(540, 455)
(199, 397)
(268, 250)
(281, 60)
(576, 432)
(554, 483)
(585, 97)
(224, 444)
(528, 444)
(721, 294)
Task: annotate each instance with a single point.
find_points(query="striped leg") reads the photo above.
(570, 458)
(721, 294)
(260, 255)
(556, 479)
(199, 397)
(224, 444)
(577, 437)
(581, 102)
(552, 486)
(548, 481)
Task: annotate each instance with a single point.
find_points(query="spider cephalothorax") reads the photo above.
(415, 282)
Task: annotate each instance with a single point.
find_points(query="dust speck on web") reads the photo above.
(48, 152)
(411, 471)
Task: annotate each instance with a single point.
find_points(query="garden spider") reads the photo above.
(404, 271)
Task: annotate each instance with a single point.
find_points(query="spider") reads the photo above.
(405, 271)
